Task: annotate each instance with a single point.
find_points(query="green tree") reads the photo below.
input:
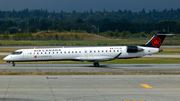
(13, 30)
(23, 25)
(116, 33)
(56, 37)
(32, 29)
(6, 35)
(4, 27)
(38, 36)
(110, 33)
(79, 20)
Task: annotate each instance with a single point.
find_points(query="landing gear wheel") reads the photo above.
(96, 64)
(13, 64)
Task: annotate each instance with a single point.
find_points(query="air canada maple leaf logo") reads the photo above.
(156, 42)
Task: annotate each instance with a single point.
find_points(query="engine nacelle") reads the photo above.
(133, 49)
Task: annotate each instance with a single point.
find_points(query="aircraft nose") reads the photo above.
(7, 58)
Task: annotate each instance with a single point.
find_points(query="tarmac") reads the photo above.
(90, 88)
(90, 68)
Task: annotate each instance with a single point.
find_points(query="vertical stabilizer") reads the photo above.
(157, 39)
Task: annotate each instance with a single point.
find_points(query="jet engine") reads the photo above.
(134, 49)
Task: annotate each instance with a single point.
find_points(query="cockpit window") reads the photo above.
(17, 53)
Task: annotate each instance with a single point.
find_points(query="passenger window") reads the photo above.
(57, 52)
(94, 51)
(65, 52)
(72, 51)
(102, 51)
(75, 51)
(79, 51)
(117, 50)
(49, 52)
(110, 51)
(69, 52)
(98, 51)
(114, 50)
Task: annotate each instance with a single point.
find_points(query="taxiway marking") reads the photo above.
(146, 86)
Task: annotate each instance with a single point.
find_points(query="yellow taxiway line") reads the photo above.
(146, 86)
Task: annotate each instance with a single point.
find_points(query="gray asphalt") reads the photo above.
(90, 88)
(90, 68)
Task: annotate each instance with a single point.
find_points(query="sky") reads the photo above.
(86, 5)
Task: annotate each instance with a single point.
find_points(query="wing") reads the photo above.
(98, 58)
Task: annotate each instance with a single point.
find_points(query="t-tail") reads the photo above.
(157, 39)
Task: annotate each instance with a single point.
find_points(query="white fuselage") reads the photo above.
(92, 54)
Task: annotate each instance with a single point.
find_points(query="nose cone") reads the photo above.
(7, 58)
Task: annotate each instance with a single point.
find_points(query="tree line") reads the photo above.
(32, 21)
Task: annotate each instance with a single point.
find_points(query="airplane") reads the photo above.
(90, 54)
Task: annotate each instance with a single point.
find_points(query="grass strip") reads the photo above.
(81, 42)
(90, 42)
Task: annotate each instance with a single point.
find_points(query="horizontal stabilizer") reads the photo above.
(164, 33)
(167, 34)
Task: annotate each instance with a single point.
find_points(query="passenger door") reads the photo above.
(25, 54)
(90, 54)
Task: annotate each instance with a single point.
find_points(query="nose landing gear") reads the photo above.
(13, 64)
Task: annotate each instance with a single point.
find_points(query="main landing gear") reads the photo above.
(96, 64)
(13, 64)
